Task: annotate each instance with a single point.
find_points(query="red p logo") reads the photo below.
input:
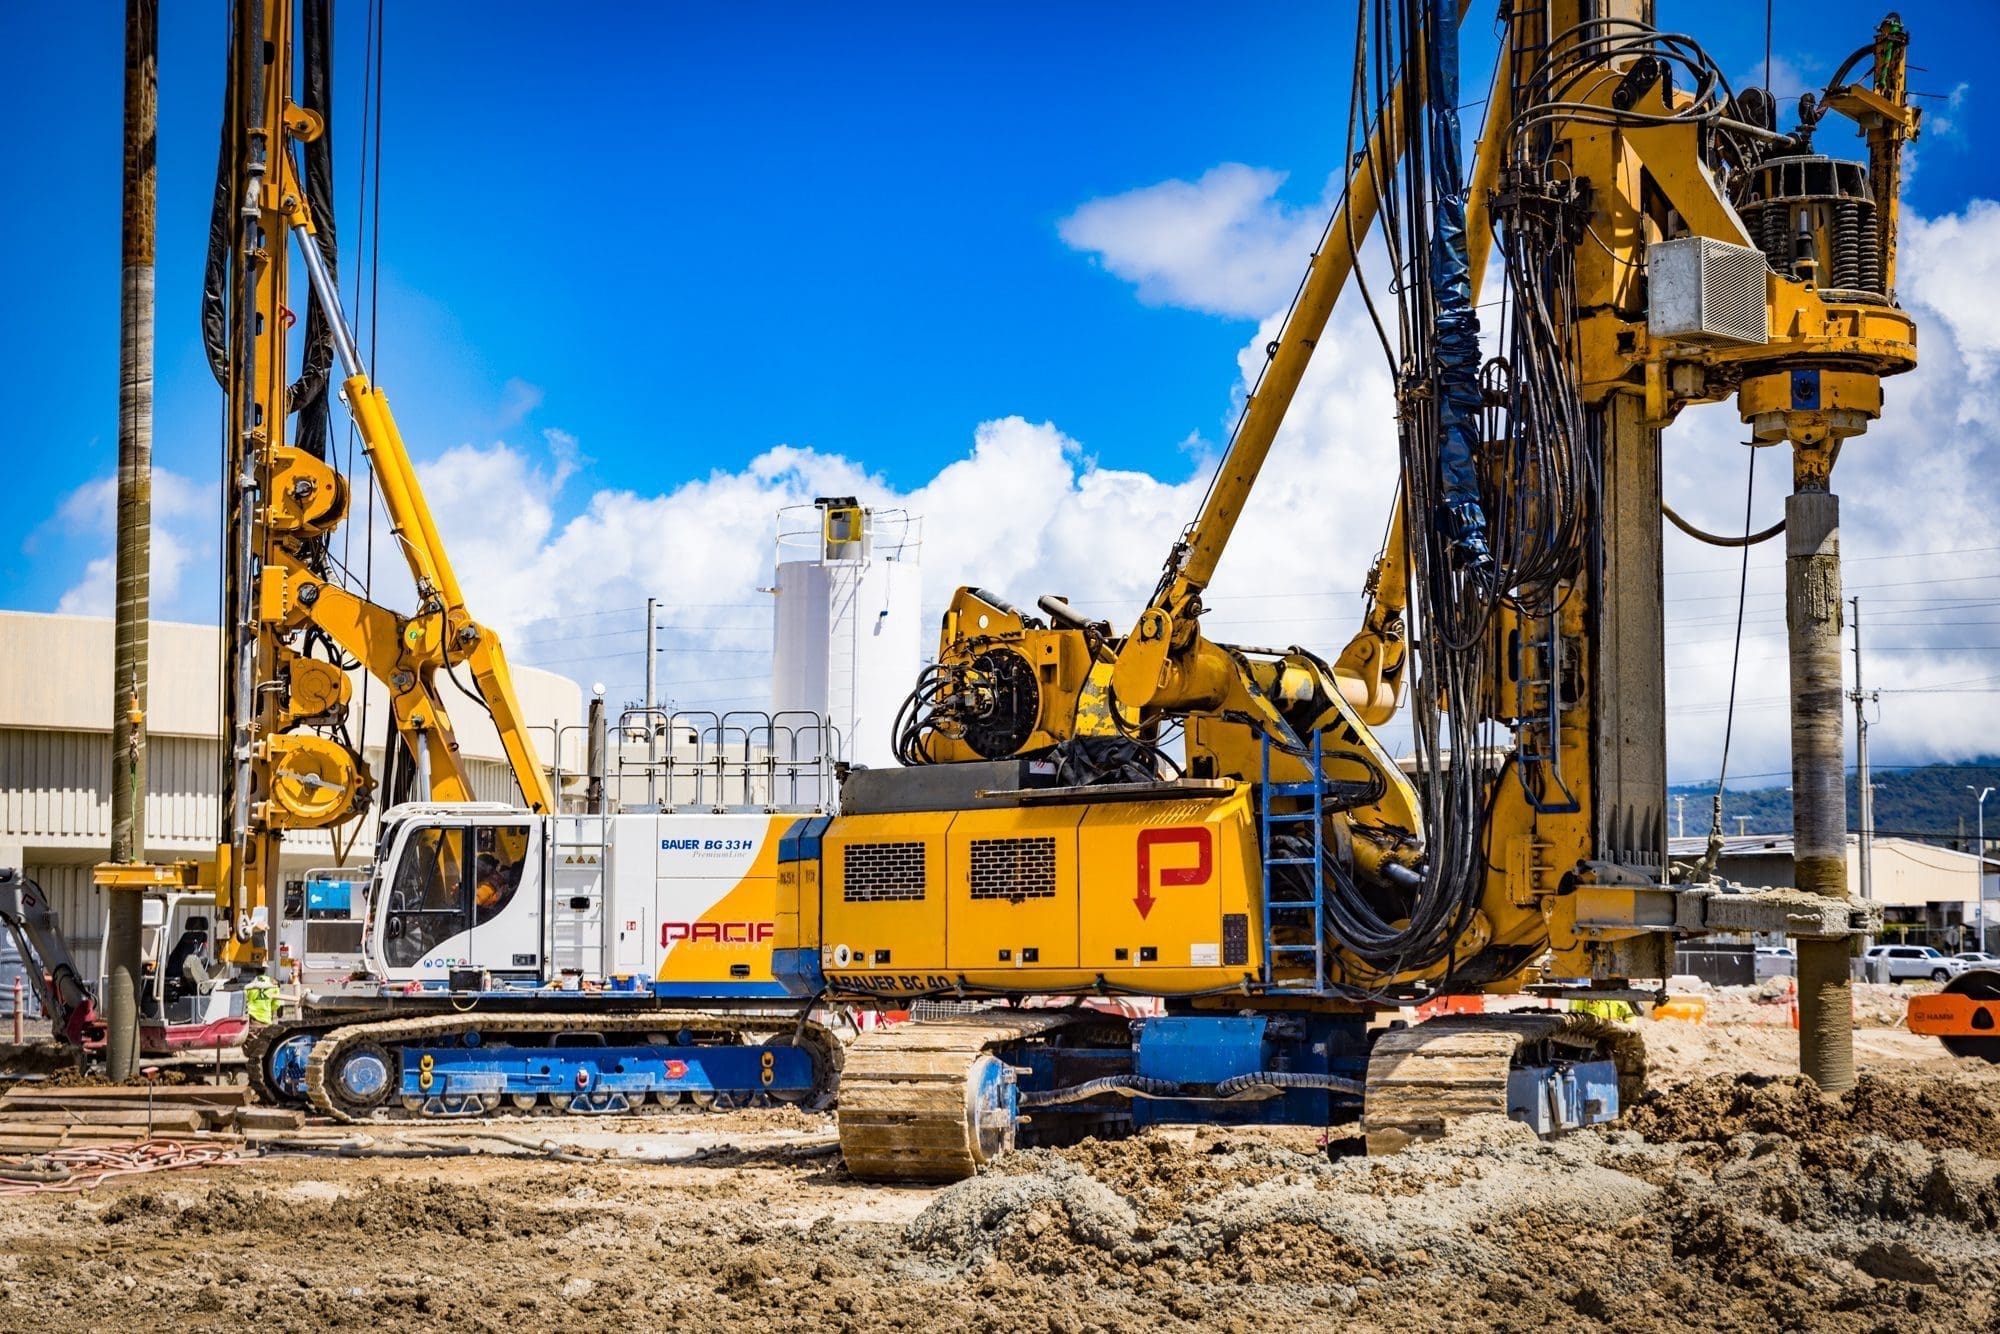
(1197, 874)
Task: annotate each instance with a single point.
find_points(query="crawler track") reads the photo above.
(911, 1105)
(1422, 1078)
(257, 1051)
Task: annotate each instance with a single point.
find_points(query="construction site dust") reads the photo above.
(1734, 1196)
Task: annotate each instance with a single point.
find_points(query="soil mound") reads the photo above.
(1932, 1111)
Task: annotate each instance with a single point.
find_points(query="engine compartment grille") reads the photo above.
(1014, 868)
(882, 872)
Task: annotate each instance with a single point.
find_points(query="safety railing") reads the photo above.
(741, 759)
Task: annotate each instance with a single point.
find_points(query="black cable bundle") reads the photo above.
(931, 706)
(1091, 761)
(1408, 920)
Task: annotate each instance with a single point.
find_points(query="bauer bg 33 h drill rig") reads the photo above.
(500, 955)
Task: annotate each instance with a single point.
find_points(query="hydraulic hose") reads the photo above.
(1272, 1083)
(1254, 1085)
(1131, 1086)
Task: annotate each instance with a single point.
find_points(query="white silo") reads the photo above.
(849, 593)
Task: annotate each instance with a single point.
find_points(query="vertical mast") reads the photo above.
(652, 703)
(135, 505)
(260, 78)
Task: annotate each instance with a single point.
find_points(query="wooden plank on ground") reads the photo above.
(270, 1118)
(215, 1095)
(162, 1119)
(85, 1137)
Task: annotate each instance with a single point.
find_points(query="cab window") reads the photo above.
(429, 902)
(499, 856)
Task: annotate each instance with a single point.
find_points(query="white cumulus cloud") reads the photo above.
(1223, 243)
(183, 512)
(1950, 266)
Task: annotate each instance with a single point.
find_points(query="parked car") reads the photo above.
(1908, 963)
(1977, 959)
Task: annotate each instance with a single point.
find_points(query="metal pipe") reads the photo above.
(1819, 790)
(323, 287)
(593, 801)
(652, 685)
(135, 516)
(1979, 862)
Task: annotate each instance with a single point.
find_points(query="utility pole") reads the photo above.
(1680, 815)
(125, 907)
(1862, 699)
(1979, 860)
(652, 702)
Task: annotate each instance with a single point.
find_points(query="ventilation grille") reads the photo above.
(882, 872)
(333, 937)
(1704, 291)
(1732, 280)
(1013, 868)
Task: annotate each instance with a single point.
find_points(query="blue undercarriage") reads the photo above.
(1293, 1069)
(450, 1080)
(470, 1077)
(1223, 1069)
(1259, 1070)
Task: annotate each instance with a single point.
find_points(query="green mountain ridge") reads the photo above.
(1927, 802)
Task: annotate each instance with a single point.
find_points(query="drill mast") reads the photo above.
(295, 624)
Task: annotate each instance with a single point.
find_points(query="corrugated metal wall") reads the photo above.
(54, 788)
(79, 911)
(52, 785)
(54, 792)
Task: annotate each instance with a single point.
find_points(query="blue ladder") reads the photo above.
(1310, 912)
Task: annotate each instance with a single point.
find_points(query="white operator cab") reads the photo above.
(456, 886)
(486, 896)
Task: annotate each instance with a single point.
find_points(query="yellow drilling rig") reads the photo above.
(493, 955)
(1281, 883)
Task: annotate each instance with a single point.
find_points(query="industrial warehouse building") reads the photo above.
(55, 756)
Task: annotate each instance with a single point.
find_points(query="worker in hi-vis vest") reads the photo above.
(260, 998)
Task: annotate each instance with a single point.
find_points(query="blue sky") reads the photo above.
(683, 237)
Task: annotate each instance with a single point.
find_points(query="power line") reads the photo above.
(1860, 560)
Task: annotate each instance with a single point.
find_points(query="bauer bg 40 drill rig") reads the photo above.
(1282, 884)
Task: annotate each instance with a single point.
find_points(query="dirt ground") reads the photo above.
(1733, 1197)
